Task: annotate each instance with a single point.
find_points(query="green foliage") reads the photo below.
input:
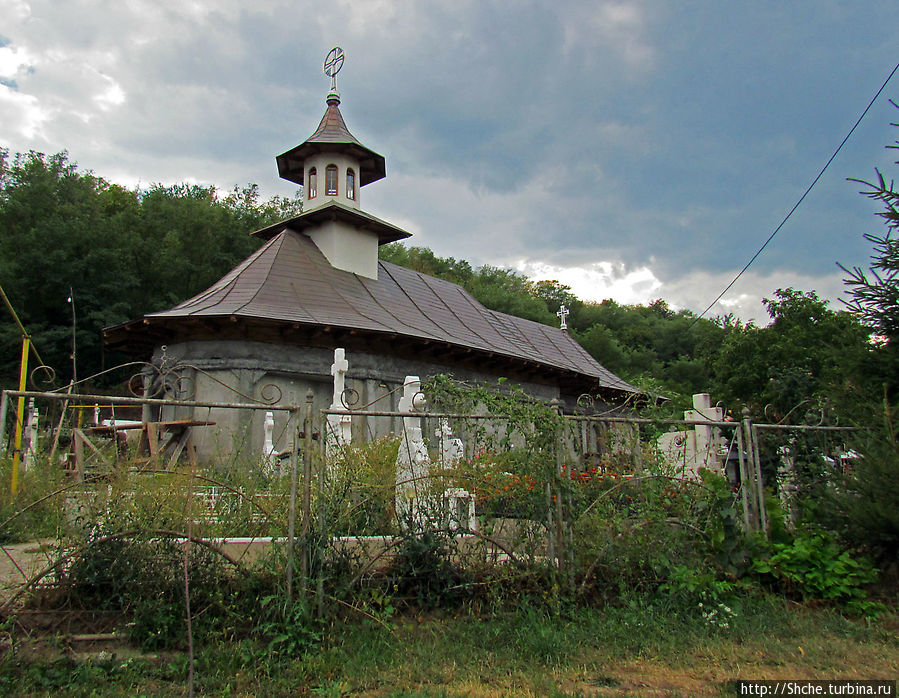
(423, 260)
(37, 511)
(142, 577)
(814, 567)
(874, 295)
(361, 487)
(118, 253)
(807, 353)
(423, 570)
(730, 546)
(861, 506)
(289, 627)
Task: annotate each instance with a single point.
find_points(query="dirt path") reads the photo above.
(20, 562)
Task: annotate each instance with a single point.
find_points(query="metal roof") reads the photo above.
(332, 135)
(288, 280)
(334, 210)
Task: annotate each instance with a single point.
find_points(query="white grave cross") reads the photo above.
(339, 431)
(451, 449)
(338, 370)
(412, 461)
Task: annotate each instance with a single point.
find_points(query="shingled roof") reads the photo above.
(332, 135)
(289, 281)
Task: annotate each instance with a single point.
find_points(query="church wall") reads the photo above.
(233, 371)
(347, 248)
(320, 162)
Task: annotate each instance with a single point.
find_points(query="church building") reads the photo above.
(268, 329)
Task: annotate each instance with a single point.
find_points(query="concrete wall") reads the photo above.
(320, 162)
(242, 371)
(347, 248)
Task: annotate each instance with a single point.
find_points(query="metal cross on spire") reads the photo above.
(563, 316)
(333, 64)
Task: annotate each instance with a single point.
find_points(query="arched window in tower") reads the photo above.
(350, 184)
(313, 184)
(331, 180)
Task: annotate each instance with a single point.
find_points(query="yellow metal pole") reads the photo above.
(20, 417)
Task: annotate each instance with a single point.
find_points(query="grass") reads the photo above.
(637, 649)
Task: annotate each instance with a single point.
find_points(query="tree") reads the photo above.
(809, 352)
(875, 294)
(117, 253)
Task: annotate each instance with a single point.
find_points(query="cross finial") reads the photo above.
(563, 316)
(333, 64)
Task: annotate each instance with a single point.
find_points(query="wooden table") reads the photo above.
(157, 438)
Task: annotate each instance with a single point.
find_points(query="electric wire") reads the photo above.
(801, 199)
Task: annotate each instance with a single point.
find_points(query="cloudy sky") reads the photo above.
(631, 149)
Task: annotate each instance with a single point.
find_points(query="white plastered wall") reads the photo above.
(320, 162)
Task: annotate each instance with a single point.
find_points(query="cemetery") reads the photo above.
(323, 439)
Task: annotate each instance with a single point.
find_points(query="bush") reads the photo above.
(815, 567)
(142, 576)
(360, 489)
(861, 507)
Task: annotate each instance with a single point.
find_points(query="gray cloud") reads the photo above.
(632, 133)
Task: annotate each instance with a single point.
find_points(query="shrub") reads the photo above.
(814, 567)
(861, 507)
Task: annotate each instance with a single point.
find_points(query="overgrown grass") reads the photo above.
(529, 652)
(578, 578)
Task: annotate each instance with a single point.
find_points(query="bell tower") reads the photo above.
(332, 166)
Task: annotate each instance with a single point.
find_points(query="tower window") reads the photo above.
(313, 184)
(350, 184)
(331, 180)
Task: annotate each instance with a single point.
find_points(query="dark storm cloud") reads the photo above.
(639, 133)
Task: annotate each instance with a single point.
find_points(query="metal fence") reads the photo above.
(488, 488)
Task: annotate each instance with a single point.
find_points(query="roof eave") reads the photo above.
(372, 166)
(335, 211)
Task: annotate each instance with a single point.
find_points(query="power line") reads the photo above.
(801, 198)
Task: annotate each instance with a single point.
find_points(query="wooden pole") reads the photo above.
(322, 523)
(744, 483)
(760, 487)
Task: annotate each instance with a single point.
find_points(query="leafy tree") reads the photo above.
(554, 295)
(808, 353)
(117, 253)
(507, 291)
(423, 260)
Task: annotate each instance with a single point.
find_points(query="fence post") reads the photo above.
(292, 507)
(748, 508)
(307, 487)
(320, 537)
(20, 417)
(754, 474)
(4, 408)
(757, 466)
(550, 528)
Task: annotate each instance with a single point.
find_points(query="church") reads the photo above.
(268, 329)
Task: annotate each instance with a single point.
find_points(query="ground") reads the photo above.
(610, 651)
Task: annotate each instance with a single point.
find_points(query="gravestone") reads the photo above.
(451, 449)
(689, 450)
(412, 462)
(339, 426)
(29, 447)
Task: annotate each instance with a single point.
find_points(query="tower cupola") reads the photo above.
(331, 165)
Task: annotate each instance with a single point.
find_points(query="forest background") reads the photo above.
(78, 253)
